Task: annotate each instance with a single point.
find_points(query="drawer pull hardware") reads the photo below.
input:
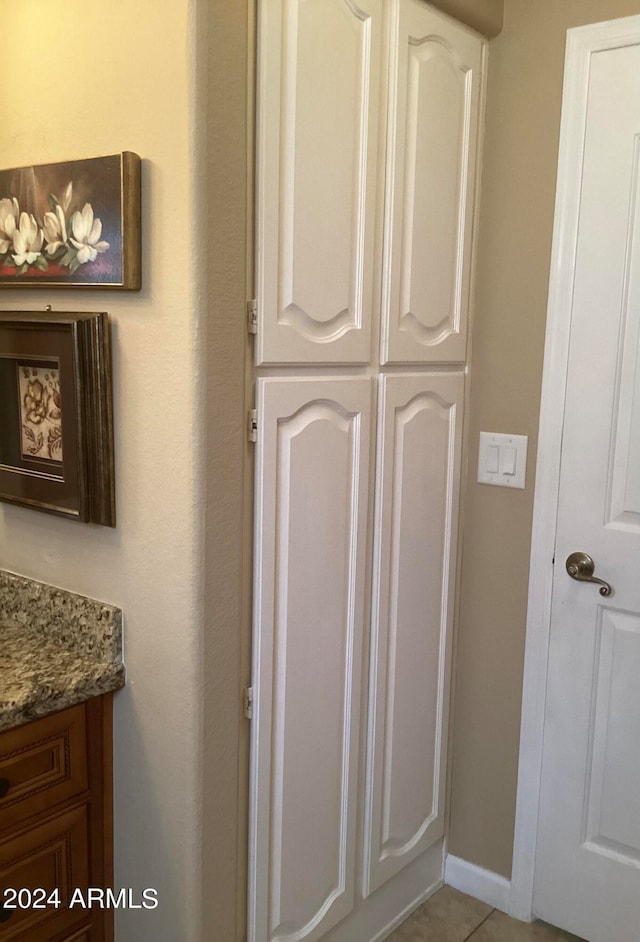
(5, 785)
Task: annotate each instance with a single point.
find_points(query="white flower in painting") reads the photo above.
(86, 235)
(55, 230)
(27, 241)
(66, 199)
(9, 214)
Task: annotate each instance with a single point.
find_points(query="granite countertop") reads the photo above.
(56, 649)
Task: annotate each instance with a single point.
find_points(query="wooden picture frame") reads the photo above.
(56, 414)
(72, 224)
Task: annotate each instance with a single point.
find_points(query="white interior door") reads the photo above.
(587, 876)
(313, 454)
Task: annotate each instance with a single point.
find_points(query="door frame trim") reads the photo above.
(582, 42)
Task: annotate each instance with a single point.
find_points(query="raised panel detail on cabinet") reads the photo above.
(316, 189)
(56, 822)
(312, 479)
(419, 441)
(45, 764)
(53, 855)
(435, 77)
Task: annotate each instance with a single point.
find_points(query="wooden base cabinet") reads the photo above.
(56, 828)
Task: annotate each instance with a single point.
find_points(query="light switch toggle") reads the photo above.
(508, 456)
(502, 459)
(493, 459)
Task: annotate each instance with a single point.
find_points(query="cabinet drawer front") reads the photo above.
(84, 935)
(41, 765)
(52, 856)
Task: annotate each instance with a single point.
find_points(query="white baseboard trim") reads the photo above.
(482, 884)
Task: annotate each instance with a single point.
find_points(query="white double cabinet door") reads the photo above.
(366, 159)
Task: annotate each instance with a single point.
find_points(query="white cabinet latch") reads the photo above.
(252, 425)
(248, 702)
(252, 316)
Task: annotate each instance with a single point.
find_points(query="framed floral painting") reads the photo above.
(74, 223)
(56, 424)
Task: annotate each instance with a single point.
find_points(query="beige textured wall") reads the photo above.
(228, 482)
(516, 222)
(90, 79)
(482, 15)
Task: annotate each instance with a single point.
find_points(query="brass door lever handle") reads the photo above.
(580, 566)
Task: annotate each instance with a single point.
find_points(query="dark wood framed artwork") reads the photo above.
(75, 223)
(56, 414)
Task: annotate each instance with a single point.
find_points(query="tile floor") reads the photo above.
(450, 916)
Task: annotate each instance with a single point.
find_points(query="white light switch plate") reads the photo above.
(502, 459)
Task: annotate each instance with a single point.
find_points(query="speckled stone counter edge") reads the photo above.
(93, 628)
(57, 649)
(42, 702)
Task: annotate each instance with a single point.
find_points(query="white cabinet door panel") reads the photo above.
(319, 77)
(311, 531)
(435, 79)
(419, 442)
